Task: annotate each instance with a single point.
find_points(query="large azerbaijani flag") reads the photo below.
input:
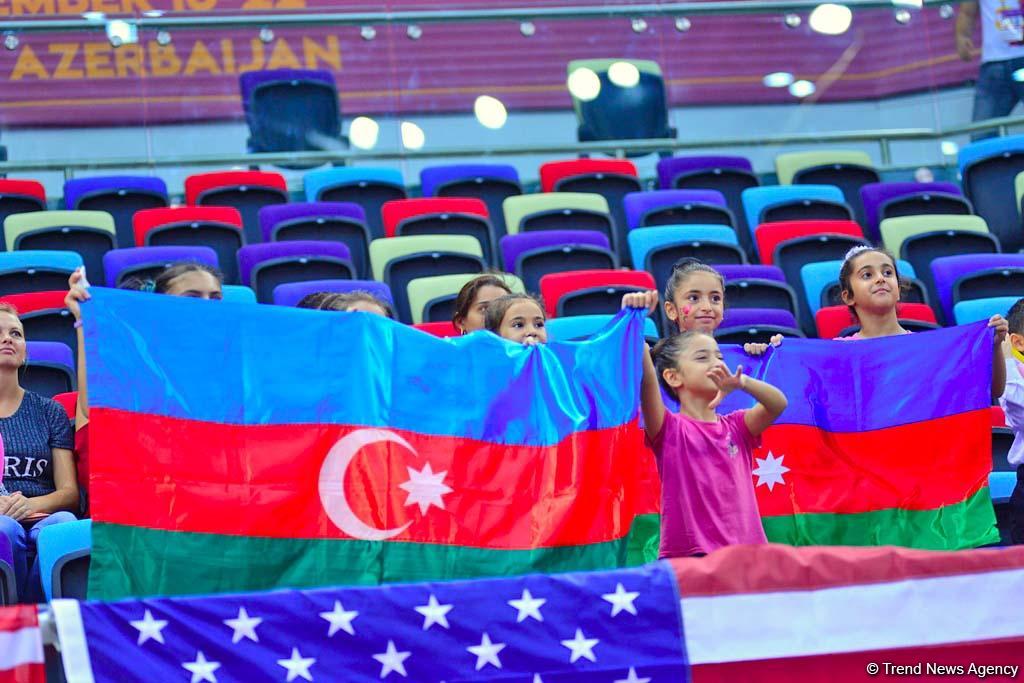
(885, 441)
(238, 447)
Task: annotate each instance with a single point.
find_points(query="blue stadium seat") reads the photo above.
(239, 294)
(369, 187)
(50, 369)
(974, 310)
(656, 250)
(775, 203)
(64, 551)
(36, 271)
(821, 281)
(988, 169)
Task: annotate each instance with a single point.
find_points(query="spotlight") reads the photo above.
(639, 25)
(584, 84)
(363, 132)
(266, 35)
(801, 89)
(120, 32)
(624, 74)
(902, 16)
(163, 38)
(11, 41)
(368, 33)
(830, 19)
(793, 20)
(490, 112)
(946, 11)
(778, 79)
(414, 32)
(683, 24)
(527, 28)
(412, 135)
(950, 148)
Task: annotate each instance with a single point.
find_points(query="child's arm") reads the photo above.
(651, 404)
(998, 359)
(770, 401)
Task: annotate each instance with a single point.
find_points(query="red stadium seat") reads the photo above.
(832, 320)
(217, 227)
(553, 173)
(247, 191)
(770, 235)
(590, 291)
(998, 417)
(20, 196)
(68, 400)
(44, 316)
(442, 329)
(440, 216)
(35, 301)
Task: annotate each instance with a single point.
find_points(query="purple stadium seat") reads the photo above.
(435, 179)
(989, 275)
(50, 369)
(265, 266)
(120, 196)
(751, 272)
(329, 221)
(144, 262)
(249, 81)
(757, 286)
(670, 169)
(875, 197)
(8, 587)
(277, 217)
(530, 255)
(741, 317)
(291, 293)
(640, 205)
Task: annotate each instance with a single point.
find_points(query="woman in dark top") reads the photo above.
(39, 469)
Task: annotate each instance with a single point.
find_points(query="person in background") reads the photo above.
(471, 304)
(1012, 403)
(519, 318)
(998, 89)
(39, 469)
(358, 300)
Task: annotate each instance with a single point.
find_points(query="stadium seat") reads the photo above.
(89, 233)
(246, 191)
(679, 207)
(440, 216)
(622, 113)
(757, 286)
(291, 110)
(730, 175)
(20, 196)
(531, 255)
(329, 221)
(974, 310)
(891, 200)
(847, 170)
(820, 281)
(291, 293)
(145, 263)
(839, 321)
(265, 266)
(120, 196)
(582, 327)
(50, 369)
(988, 169)
(36, 271)
(217, 227)
(922, 239)
(69, 402)
(586, 292)
(976, 276)
(559, 211)
(238, 294)
(755, 325)
(44, 316)
(444, 329)
(432, 299)
(613, 179)
(399, 260)
(657, 250)
(8, 582)
(491, 183)
(64, 551)
(369, 187)
(779, 203)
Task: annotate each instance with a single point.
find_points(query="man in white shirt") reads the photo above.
(1002, 55)
(1012, 403)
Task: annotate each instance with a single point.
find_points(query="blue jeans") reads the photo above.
(30, 588)
(996, 92)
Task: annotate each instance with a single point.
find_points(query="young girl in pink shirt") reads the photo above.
(704, 459)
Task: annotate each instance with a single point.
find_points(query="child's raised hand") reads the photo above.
(648, 300)
(77, 292)
(725, 382)
(1002, 328)
(760, 349)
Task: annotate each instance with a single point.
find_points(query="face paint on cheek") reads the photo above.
(686, 311)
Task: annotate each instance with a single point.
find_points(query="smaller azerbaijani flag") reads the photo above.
(238, 447)
(21, 645)
(885, 441)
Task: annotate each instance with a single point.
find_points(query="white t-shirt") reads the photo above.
(1002, 30)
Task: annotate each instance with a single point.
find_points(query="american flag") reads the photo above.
(620, 626)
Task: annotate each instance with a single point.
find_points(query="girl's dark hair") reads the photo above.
(1015, 317)
(162, 282)
(682, 270)
(497, 309)
(342, 302)
(846, 272)
(312, 300)
(666, 354)
(467, 295)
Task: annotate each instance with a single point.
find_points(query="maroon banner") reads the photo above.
(80, 79)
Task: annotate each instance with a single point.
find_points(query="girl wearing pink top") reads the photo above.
(704, 459)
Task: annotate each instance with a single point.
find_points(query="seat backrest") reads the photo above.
(385, 250)
(789, 164)
(19, 224)
(434, 178)
(988, 169)
(519, 207)
(395, 212)
(197, 185)
(751, 272)
(757, 199)
(117, 261)
(638, 204)
(423, 290)
(581, 327)
(77, 189)
(770, 235)
(895, 231)
(672, 167)
(445, 329)
(946, 270)
(1018, 188)
(556, 285)
(69, 402)
(38, 258)
(874, 195)
(58, 542)
(317, 182)
(274, 214)
(740, 317)
(512, 246)
(293, 114)
(151, 219)
(30, 302)
(975, 310)
(250, 80)
(644, 241)
(252, 255)
(554, 171)
(239, 294)
(620, 113)
(291, 293)
(24, 188)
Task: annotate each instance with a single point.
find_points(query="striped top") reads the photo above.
(29, 435)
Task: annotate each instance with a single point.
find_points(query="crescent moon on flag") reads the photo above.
(332, 483)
